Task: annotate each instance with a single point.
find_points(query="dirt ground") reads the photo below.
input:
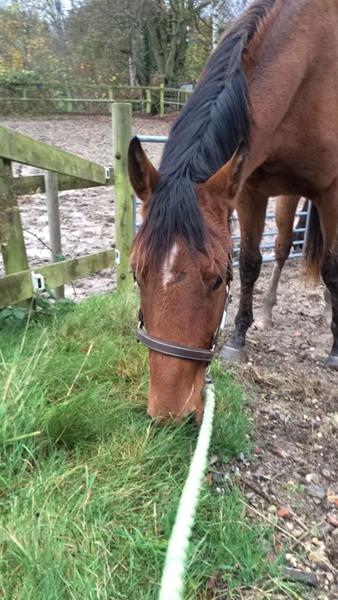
(292, 481)
(292, 478)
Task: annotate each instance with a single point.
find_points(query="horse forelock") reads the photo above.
(215, 253)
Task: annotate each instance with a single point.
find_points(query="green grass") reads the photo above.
(89, 486)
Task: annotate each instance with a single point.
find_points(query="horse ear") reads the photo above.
(226, 182)
(142, 174)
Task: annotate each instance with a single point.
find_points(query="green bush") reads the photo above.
(13, 79)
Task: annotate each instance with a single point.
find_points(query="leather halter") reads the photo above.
(178, 350)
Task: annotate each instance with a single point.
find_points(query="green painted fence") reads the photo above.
(77, 98)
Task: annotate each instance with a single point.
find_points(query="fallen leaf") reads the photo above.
(332, 498)
(284, 513)
(280, 452)
(332, 520)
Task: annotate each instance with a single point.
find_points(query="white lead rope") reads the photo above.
(172, 583)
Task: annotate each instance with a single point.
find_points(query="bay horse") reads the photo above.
(262, 121)
(288, 236)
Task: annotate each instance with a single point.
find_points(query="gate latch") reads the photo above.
(117, 256)
(38, 282)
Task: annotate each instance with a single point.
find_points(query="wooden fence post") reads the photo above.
(69, 103)
(52, 198)
(111, 97)
(12, 242)
(161, 99)
(124, 199)
(148, 101)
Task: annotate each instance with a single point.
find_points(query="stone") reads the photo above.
(330, 577)
(317, 557)
(311, 478)
(303, 576)
(297, 533)
(317, 491)
(292, 560)
(213, 459)
(324, 531)
(334, 420)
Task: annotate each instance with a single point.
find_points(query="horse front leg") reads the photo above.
(251, 210)
(330, 277)
(286, 207)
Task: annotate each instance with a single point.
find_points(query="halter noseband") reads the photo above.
(178, 350)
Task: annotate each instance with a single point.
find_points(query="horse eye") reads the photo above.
(217, 284)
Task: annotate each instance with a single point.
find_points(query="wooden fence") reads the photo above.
(21, 283)
(77, 98)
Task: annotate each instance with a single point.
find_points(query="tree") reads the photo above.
(24, 41)
(54, 14)
(112, 40)
(106, 39)
(169, 23)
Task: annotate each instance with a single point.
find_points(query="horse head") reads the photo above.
(181, 259)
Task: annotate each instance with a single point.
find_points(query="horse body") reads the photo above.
(294, 143)
(263, 121)
(294, 139)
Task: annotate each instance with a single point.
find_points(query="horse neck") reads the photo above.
(281, 60)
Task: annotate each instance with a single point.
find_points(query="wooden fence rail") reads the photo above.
(19, 282)
(19, 286)
(23, 149)
(35, 184)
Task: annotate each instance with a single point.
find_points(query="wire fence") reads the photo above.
(270, 230)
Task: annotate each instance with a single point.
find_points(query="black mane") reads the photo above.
(212, 125)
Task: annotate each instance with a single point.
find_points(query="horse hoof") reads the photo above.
(332, 361)
(233, 355)
(264, 324)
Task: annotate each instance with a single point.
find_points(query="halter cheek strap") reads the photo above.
(179, 350)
